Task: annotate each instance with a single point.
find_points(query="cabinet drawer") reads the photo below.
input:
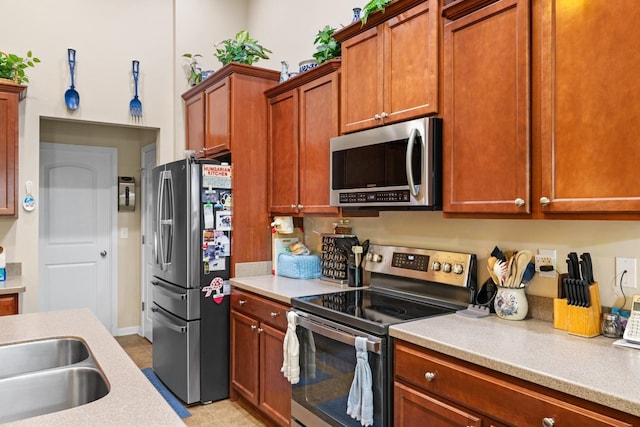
(499, 396)
(262, 309)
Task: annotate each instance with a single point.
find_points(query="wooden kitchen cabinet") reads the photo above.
(302, 117)
(589, 90)
(258, 328)
(8, 304)
(487, 107)
(226, 119)
(434, 389)
(539, 108)
(390, 65)
(226, 108)
(10, 96)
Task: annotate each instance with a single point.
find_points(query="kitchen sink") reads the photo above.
(41, 377)
(33, 356)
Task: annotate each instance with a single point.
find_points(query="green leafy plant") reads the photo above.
(327, 47)
(373, 6)
(12, 66)
(195, 73)
(242, 49)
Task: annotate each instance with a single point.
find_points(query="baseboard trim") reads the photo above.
(128, 331)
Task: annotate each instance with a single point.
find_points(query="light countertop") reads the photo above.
(282, 288)
(132, 400)
(12, 285)
(591, 368)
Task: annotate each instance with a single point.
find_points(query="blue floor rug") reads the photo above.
(175, 404)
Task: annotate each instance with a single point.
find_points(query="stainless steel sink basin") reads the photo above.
(52, 390)
(41, 377)
(38, 355)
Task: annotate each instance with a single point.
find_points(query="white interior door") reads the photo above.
(77, 230)
(148, 160)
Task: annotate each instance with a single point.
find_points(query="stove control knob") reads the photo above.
(446, 267)
(376, 257)
(435, 266)
(457, 268)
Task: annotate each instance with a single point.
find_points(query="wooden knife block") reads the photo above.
(582, 321)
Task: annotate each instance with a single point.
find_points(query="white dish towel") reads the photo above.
(291, 351)
(360, 400)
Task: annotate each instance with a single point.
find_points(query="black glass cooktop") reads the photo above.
(368, 310)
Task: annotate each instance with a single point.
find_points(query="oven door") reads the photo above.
(327, 365)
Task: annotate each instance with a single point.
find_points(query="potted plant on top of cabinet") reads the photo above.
(242, 49)
(12, 66)
(327, 47)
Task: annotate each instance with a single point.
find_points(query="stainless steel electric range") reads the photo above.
(405, 284)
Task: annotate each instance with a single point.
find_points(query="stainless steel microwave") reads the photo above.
(394, 166)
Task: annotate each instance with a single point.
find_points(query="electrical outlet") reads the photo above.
(629, 278)
(546, 257)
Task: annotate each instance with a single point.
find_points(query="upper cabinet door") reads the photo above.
(390, 71)
(486, 165)
(10, 96)
(411, 63)
(217, 125)
(194, 123)
(590, 113)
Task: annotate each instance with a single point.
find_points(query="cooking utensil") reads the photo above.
(357, 252)
(500, 269)
(519, 265)
(496, 252)
(135, 106)
(71, 96)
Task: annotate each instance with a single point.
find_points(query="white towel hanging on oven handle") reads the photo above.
(360, 400)
(291, 351)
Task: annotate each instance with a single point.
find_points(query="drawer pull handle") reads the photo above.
(242, 302)
(548, 422)
(429, 376)
(274, 314)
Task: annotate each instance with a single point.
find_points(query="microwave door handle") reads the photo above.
(409, 169)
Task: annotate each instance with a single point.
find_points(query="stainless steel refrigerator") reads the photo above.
(192, 259)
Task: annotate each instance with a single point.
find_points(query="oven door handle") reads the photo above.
(337, 334)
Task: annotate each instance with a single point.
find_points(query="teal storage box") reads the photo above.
(299, 266)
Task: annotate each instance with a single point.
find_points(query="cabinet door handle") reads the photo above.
(293, 206)
(377, 117)
(519, 202)
(429, 376)
(300, 207)
(259, 330)
(384, 115)
(544, 201)
(274, 314)
(254, 327)
(242, 302)
(548, 422)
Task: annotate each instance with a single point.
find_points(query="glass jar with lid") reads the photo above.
(610, 325)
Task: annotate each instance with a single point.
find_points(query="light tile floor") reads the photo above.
(217, 414)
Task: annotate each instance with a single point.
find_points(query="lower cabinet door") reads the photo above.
(8, 304)
(275, 390)
(415, 409)
(244, 356)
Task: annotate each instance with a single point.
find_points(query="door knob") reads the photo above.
(103, 254)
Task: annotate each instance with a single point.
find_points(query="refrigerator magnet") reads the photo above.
(223, 220)
(215, 290)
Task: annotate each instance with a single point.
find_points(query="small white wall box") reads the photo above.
(126, 193)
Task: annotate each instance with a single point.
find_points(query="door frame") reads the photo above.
(113, 207)
(146, 330)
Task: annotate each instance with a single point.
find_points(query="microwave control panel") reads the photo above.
(395, 196)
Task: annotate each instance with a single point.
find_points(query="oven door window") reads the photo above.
(326, 372)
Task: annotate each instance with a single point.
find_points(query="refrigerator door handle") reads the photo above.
(168, 291)
(166, 321)
(165, 217)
